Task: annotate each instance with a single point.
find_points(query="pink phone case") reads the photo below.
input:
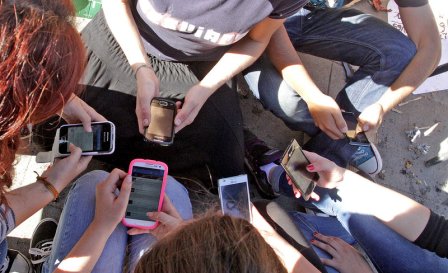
(162, 191)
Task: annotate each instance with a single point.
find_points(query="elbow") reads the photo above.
(438, 53)
(434, 52)
(432, 45)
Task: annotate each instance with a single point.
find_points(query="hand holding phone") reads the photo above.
(234, 196)
(354, 133)
(169, 219)
(147, 193)
(101, 141)
(294, 163)
(110, 208)
(66, 169)
(161, 127)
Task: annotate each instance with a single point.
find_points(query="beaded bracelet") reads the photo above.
(48, 185)
(140, 66)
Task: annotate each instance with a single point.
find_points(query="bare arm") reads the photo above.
(109, 210)
(86, 252)
(292, 259)
(324, 110)
(122, 25)
(423, 32)
(397, 211)
(242, 54)
(421, 27)
(402, 214)
(23, 200)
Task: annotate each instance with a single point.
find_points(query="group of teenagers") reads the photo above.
(189, 51)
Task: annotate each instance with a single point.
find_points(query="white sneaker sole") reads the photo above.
(377, 158)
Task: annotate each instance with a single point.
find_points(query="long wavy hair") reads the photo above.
(42, 59)
(213, 243)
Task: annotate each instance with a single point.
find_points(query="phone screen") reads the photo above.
(145, 192)
(161, 125)
(99, 140)
(294, 162)
(234, 196)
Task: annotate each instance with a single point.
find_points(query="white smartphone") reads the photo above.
(234, 196)
(148, 188)
(101, 141)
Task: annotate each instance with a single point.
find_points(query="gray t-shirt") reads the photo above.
(202, 30)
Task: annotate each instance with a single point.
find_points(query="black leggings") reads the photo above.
(215, 137)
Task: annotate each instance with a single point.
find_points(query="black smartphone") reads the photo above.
(100, 141)
(161, 127)
(355, 135)
(294, 162)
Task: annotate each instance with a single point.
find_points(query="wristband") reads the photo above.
(48, 185)
(140, 66)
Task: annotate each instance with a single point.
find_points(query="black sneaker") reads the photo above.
(258, 153)
(16, 262)
(42, 242)
(259, 150)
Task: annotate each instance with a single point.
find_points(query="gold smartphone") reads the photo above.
(294, 162)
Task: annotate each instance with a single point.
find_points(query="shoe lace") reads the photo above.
(40, 254)
(359, 154)
(5, 265)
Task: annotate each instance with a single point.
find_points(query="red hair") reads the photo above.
(42, 59)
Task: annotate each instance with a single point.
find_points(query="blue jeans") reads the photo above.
(388, 250)
(78, 213)
(3, 251)
(329, 226)
(380, 51)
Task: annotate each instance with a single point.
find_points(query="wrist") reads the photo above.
(383, 106)
(53, 185)
(101, 227)
(209, 89)
(141, 68)
(314, 97)
(58, 184)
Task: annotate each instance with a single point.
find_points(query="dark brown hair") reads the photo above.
(214, 243)
(42, 59)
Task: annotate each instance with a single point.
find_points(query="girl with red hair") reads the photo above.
(42, 59)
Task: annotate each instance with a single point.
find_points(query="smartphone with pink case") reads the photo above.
(148, 189)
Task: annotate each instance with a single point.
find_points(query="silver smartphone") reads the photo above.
(101, 141)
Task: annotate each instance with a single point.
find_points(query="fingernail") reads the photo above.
(312, 240)
(315, 233)
(145, 122)
(150, 213)
(365, 127)
(177, 122)
(344, 130)
(310, 167)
